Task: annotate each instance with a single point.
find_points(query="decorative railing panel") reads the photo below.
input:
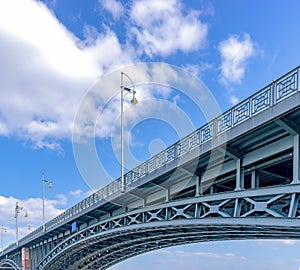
(241, 112)
(261, 100)
(287, 85)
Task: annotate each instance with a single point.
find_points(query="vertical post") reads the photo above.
(17, 229)
(133, 101)
(50, 185)
(122, 136)
(296, 169)
(239, 176)
(167, 195)
(43, 200)
(296, 162)
(253, 179)
(197, 185)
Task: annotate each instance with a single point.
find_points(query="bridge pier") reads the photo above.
(25, 259)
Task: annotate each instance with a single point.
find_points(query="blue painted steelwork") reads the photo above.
(9, 264)
(176, 198)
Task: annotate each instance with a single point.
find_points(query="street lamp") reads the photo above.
(3, 229)
(134, 102)
(50, 185)
(18, 210)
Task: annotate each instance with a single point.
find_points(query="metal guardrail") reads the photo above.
(265, 98)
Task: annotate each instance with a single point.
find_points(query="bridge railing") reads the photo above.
(265, 98)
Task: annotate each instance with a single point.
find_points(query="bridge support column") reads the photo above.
(239, 176)
(296, 164)
(197, 180)
(254, 179)
(25, 259)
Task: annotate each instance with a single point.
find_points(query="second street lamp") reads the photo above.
(50, 185)
(18, 210)
(134, 102)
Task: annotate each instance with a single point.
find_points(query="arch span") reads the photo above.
(9, 264)
(200, 219)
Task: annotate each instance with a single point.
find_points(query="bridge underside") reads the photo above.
(107, 249)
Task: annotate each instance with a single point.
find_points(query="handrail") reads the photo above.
(265, 98)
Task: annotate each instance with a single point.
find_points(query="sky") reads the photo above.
(61, 62)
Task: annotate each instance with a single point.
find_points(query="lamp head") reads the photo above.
(134, 101)
(50, 184)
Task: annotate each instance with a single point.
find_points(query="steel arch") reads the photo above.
(106, 249)
(9, 263)
(269, 213)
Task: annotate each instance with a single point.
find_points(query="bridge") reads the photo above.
(236, 177)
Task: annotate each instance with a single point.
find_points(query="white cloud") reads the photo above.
(80, 194)
(233, 100)
(234, 55)
(269, 242)
(199, 69)
(45, 71)
(33, 208)
(162, 27)
(207, 255)
(114, 7)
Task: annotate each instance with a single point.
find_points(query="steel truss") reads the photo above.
(267, 213)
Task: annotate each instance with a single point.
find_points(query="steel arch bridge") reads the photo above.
(8, 264)
(237, 177)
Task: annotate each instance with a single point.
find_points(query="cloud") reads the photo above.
(45, 71)
(164, 27)
(33, 208)
(114, 7)
(201, 255)
(233, 100)
(199, 69)
(235, 52)
(269, 242)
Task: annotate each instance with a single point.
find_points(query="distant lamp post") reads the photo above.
(50, 185)
(18, 210)
(3, 230)
(134, 102)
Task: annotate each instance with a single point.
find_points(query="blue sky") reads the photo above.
(53, 53)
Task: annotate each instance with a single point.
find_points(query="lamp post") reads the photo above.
(134, 102)
(18, 210)
(50, 185)
(3, 229)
